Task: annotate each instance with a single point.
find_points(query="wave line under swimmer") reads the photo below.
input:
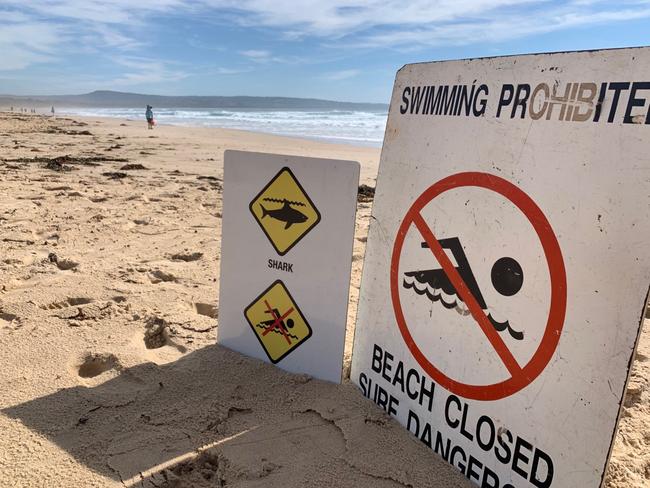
(507, 278)
(269, 323)
(286, 213)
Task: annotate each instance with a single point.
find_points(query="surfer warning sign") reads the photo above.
(277, 322)
(507, 271)
(287, 235)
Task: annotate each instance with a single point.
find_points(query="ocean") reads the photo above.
(340, 126)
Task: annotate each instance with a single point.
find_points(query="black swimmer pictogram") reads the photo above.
(286, 214)
(507, 278)
(277, 324)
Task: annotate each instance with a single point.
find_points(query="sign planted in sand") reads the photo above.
(288, 228)
(507, 269)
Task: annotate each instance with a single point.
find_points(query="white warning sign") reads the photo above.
(286, 257)
(507, 269)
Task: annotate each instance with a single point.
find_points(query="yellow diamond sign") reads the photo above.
(284, 211)
(277, 322)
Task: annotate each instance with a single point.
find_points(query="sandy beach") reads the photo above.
(109, 262)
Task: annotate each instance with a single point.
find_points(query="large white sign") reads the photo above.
(286, 257)
(507, 266)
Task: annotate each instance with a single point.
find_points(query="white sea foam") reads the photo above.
(352, 127)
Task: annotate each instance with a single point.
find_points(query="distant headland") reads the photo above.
(108, 99)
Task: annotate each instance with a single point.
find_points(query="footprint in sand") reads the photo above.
(7, 318)
(157, 344)
(94, 364)
(62, 263)
(68, 302)
(78, 316)
(207, 310)
(67, 264)
(156, 334)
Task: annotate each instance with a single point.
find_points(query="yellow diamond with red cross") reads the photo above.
(277, 322)
(284, 211)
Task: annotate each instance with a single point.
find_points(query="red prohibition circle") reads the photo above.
(520, 376)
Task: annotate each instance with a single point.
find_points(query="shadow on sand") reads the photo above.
(216, 418)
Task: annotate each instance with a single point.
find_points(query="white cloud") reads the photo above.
(331, 18)
(35, 31)
(507, 27)
(111, 37)
(231, 71)
(263, 56)
(97, 11)
(25, 43)
(378, 23)
(256, 54)
(344, 17)
(143, 71)
(19, 58)
(342, 75)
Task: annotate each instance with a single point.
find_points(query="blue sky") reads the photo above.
(334, 49)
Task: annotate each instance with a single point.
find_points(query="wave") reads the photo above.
(345, 126)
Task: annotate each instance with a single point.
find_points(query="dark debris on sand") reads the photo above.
(187, 257)
(66, 163)
(366, 193)
(58, 130)
(114, 175)
(56, 165)
(213, 181)
(132, 166)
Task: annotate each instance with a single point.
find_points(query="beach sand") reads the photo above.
(110, 375)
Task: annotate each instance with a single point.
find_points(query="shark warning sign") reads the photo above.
(284, 211)
(287, 229)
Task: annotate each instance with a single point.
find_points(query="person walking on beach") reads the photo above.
(149, 115)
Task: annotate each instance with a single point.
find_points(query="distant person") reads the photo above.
(52, 110)
(149, 115)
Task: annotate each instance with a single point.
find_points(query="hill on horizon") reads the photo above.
(114, 99)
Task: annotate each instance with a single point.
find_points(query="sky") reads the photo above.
(334, 49)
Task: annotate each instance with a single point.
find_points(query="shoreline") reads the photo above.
(198, 121)
(220, 139)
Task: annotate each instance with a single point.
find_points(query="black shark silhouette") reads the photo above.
(286, 213)
(436, 279)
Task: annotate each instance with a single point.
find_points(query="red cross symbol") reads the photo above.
(277, 321)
